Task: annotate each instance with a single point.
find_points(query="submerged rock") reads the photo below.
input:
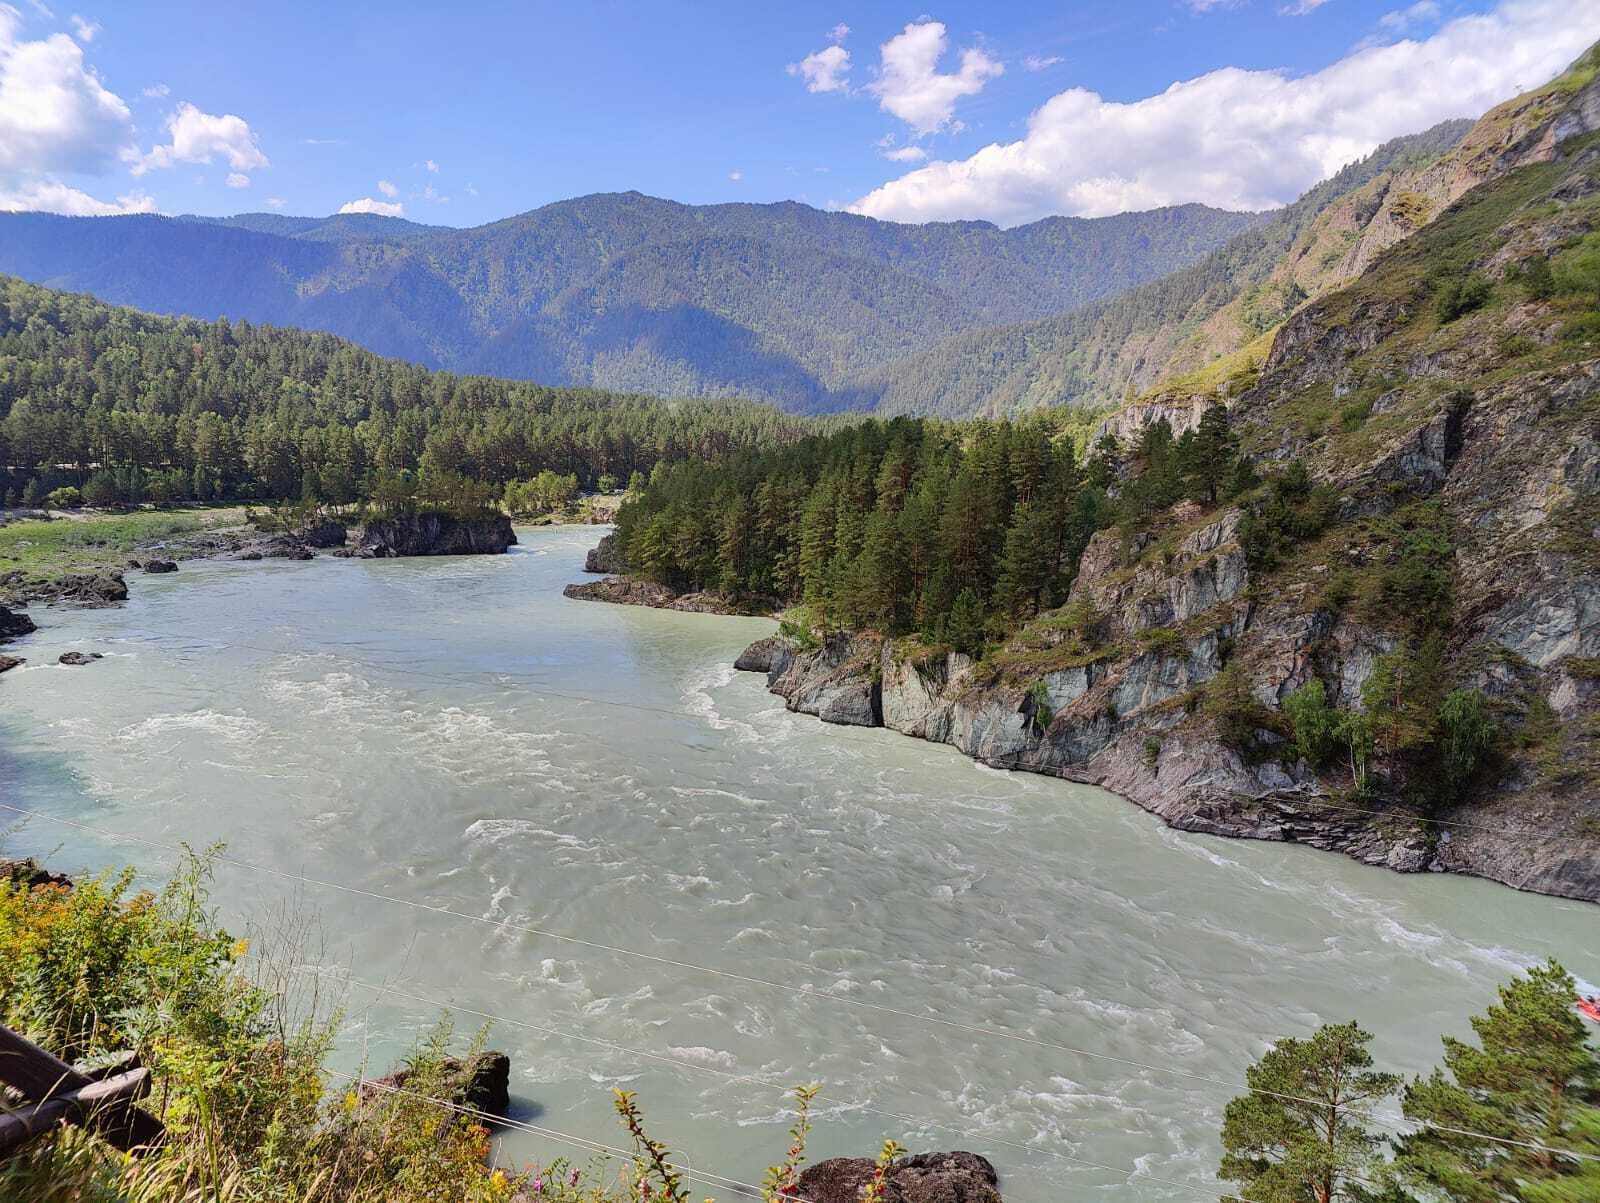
(7, 663)
(923, 1178)
(436, 534)
(74, 659)
(160, 566)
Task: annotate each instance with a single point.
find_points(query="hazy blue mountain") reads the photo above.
(778, 302)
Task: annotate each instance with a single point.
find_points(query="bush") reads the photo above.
(65, 498)
(1459, 296)
(1314, 722)
(102, 491)
(1466, 734)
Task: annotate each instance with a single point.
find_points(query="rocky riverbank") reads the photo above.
(632, 591)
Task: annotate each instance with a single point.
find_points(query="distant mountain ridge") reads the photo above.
(777, 302)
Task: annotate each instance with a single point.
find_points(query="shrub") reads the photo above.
(1235, 712)
(1164, 641)
(65, 498)
(1314, 722)
(1466, 734)
(1459, 296)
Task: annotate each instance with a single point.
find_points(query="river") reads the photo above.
(454, 732)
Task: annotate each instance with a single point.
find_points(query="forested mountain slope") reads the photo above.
(777, 302)
(131, 407)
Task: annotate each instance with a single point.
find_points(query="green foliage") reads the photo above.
(1576, 271)
(1465, 736)
(1532, 1080)
(65, 498)
(1164, 641)
(1460, 295)
(166, 410)
(1234, 710)
(1289, 511)
(544, 494)
(1314, 722)
(1305, 1133)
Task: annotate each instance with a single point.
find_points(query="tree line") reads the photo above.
(129, 408)
(957, 531)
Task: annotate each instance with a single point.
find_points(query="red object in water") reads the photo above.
(1591, 1008)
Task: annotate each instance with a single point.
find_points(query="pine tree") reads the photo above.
(1534, 1083)
(1027, 561)
(1303, 1133)
(1210, 456)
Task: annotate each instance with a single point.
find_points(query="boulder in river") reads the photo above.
(29, 873)
(75, 659)
(93, 589)
(7, 663)
(605, 558)
(922, 1178)
(762, 655)
(160, 566)
(430, 533)
(482, 1083)
(13, 624)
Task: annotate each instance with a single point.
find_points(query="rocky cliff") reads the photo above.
(431, 533)
(1450, 511)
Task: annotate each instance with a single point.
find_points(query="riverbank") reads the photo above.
(1123, 718)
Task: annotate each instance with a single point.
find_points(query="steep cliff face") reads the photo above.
(1453, 460)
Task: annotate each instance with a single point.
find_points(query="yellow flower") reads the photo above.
(240, 947)
(498, 1181)
(350, 1100)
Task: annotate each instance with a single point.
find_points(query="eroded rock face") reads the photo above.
(632, 591)
(923, 1178)
(7, 663)
(434, 534)
(92, 589)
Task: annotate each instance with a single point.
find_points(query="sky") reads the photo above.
(1008, 112)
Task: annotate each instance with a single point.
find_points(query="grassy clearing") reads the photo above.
(85, 542)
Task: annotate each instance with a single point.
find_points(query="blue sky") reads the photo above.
(465, 113)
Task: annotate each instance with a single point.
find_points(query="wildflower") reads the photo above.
(350, 1100)
(240, 947)
(538, 1186)
(498, 1181)
(572, 1178)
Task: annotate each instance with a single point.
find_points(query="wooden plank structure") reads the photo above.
(53, 1093)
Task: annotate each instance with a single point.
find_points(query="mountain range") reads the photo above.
(783, 302)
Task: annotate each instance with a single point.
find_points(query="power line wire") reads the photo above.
(801, 991)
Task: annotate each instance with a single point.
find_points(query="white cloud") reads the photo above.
(388, 189)
(430, 194)
(906, 154)
(51, 196)
(196, 136)
(1243, 139)
(839, 32)
(1403, 19)
(237, 179)
(1301, 7)
(85, 29)
(910, 86)
(1040, 62)
(275, 202)
(431, 165)
(471, 190)
(736, 176)
(55, 115)
(367, 205)
(156, 92)
(824, 71)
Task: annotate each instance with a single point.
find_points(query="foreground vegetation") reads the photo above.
(238, 1047)
(43, 549)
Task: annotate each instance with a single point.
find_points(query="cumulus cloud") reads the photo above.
(1243, 139)
(1040, 62)
(275, 202)
(85, 29)
(736, 176)
(905, 154)
(368, 205)
(1301, 7)
(51, 196)
(431, 165)
(55, 114)
(839, 32)
(910, 84)
(824, 71)
(197, 136)
(156, 91)
(237, 179)
(388, 189)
